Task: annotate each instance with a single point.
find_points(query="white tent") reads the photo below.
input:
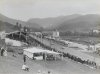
(2, 35)
(51, 52)
(13, 42)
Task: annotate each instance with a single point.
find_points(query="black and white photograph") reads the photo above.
(49, 36)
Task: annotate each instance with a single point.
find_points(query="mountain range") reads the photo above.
(52, 21)
(5, 26)
(14, 21)
(83, 23)
(75, 22)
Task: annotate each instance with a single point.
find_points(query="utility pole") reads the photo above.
(41, 38)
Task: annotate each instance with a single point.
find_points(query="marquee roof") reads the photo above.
(39, 50)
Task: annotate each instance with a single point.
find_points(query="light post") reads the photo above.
(53, 46)
(50, 43)
(41, 37)
(94, 50)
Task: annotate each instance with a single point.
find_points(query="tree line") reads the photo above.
(89, 34)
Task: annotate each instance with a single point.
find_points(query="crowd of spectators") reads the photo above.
(77, 59)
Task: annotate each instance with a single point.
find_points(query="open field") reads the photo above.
(83, 40)
(12, 65)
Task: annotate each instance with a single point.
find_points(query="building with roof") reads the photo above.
(55, 34)
(40, 54)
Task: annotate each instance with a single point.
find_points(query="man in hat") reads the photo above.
(2, 51)
(24, 58)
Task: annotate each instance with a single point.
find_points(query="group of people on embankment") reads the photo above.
(87, 62)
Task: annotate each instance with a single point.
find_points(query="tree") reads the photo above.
(20, 27)
(17, 24)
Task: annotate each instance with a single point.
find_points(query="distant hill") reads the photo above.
(75, 22)
(83, 23)
(23, 23)
(5, 26)
(52, 21)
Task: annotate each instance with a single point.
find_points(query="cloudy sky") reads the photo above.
(25, 9)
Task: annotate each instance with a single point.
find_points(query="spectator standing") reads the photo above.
(24, 58)
(49, 72)
(2, 51)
